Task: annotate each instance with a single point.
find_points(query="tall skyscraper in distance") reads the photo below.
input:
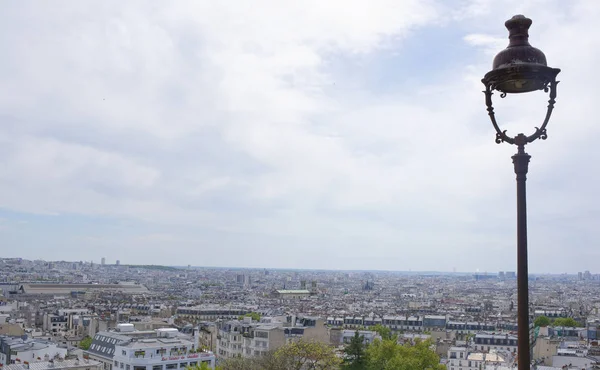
(103, 261)
(118, 262)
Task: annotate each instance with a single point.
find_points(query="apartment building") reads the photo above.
(211, 313)
(498, 342)
(469, 327)
(76, 364)
(263, 338)
(161, 353)
(161, 349)
(249, 338)
(55, 323)
(230, 337)
(292, 293)
(413, 323)
(206, 336)
(16, 349)
(461, 358)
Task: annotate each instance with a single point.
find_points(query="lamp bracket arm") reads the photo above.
(540, 132)
(501, 136)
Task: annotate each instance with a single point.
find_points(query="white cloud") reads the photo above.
(232, 117)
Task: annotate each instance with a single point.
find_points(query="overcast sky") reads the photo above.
(305, 134)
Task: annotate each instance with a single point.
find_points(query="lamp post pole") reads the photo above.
(521, 68)
(521, 163)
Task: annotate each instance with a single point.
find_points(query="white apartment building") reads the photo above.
(262, 339)
(57, 365)
(230, 338)
(163, 353)
(249, 338)
(460, 358)
(161, 349)
(16, 350)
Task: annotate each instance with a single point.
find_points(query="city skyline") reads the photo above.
(261, 269)
(347, 136)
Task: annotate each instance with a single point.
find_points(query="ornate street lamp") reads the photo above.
(521, 68)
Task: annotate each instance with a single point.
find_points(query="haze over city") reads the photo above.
(337, 135)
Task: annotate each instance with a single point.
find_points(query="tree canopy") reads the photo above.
(388, 354)
(254, 315)
(385, 332)
(202, 366)
(310, 355)
(298, 355)
(541, 321)
(85, 343)
(355, 353)
(565, 321)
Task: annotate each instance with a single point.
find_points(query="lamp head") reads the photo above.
(520, 67)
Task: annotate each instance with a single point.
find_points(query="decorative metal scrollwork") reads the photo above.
(540, 133)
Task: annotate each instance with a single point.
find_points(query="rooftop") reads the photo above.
(293, 291)
(47, 365)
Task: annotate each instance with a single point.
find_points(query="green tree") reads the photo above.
(254, 315)
(355, 353)
(267, 361)
(565, 321)
(385, 332)
(310, 355)
(389, 355)
(541, 321)
(238, 364)
(85, 343)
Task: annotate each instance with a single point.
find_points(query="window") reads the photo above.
(183, 364)
(171, 366)
(116, 363)
(261, 334)
(124, 353)
(122, 365)
(127, 367)
(157, 367)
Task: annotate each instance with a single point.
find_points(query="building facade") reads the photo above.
(488, 342)
(17, 350)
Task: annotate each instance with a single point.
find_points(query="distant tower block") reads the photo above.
(118, 263)
(103, 261)
(313, 286)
